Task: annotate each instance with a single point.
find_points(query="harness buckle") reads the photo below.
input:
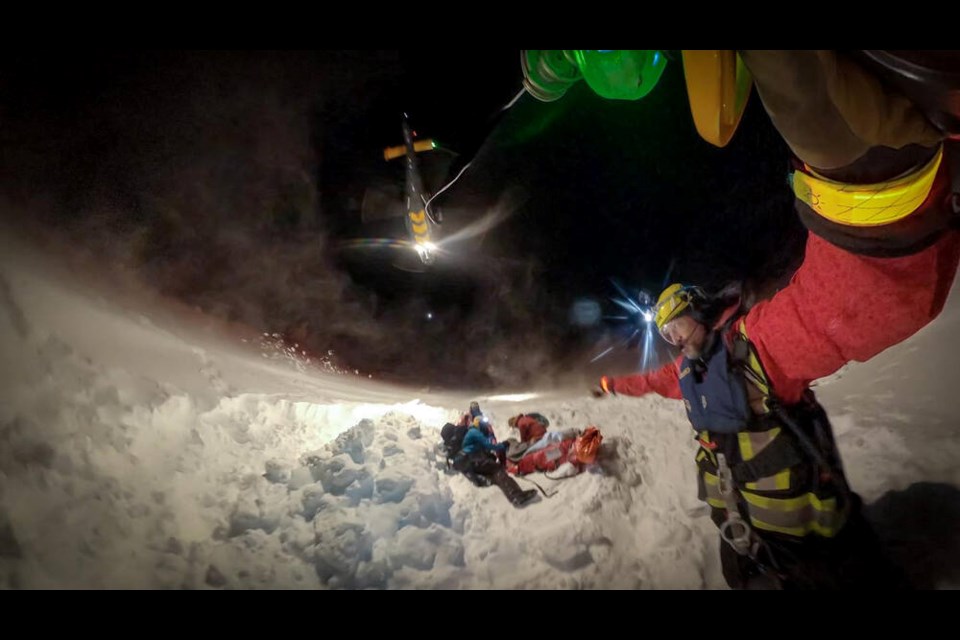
(734, 531)
(737, 533)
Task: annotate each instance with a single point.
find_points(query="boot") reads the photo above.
(511, 489)
(523, 498)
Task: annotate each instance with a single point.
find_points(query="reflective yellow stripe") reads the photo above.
(712, 483)
(771, 483)
(790, 504)
(782, 479)
(746, 445)
(866, 205)
(825, 519)
(801, 515)
(417, 216)
(761, 382)
(754, 442)
(751, 444)
(705, 437)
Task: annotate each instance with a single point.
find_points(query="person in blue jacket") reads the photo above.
(481, 456)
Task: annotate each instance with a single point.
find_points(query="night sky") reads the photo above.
(233, 181)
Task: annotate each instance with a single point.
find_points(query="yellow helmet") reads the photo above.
(674, 300)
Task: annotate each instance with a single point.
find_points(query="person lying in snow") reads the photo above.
(532, 426)
(570, 448)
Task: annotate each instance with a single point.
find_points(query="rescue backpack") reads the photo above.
(452, 436)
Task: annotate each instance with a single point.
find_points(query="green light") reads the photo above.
(621, 74)
(614, 74)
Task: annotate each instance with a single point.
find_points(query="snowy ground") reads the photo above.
(144, 447)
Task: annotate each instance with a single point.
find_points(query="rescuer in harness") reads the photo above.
(768, 465)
